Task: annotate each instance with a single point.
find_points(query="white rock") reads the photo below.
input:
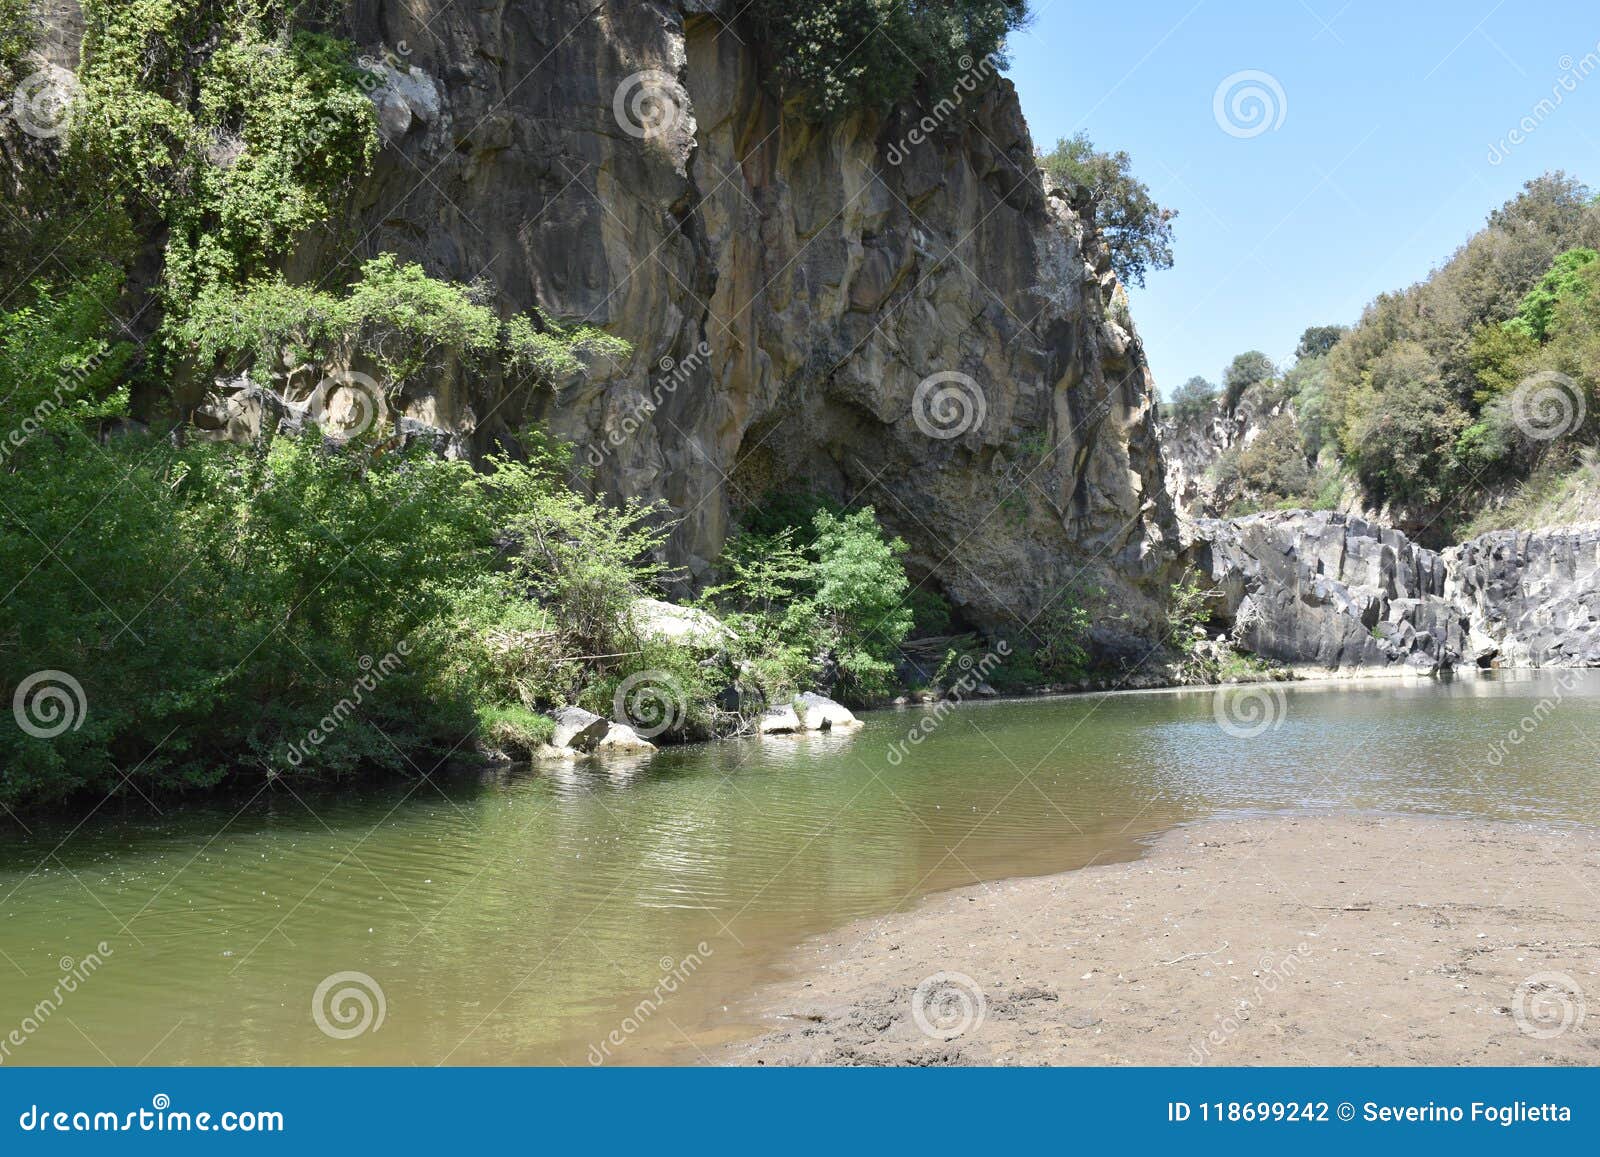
(819, 713)
(578, 730)
(621, 737)
(779, 721)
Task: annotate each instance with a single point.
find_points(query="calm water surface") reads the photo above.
(519, 920)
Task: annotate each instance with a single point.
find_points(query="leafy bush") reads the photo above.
(841, 601)
(1564, 280)
(860, 599)
(1136, 230)
(841, 56)
(237, 130)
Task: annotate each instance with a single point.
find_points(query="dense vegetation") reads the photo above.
(841, 56)
(184, 611)
(1461, 402)
(1136, 230)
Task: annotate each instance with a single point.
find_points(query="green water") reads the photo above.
(519, 919)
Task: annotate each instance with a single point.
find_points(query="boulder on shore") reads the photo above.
(819, 713)
(780, 720)
(621, 737)
(578, 730)
(663, 622)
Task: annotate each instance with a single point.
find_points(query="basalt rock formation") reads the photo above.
(1330, 592)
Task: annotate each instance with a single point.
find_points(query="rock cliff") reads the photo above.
(1334, 592)
(1532, 597)
(922, 327)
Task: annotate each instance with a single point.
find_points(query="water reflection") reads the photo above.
(516, 916)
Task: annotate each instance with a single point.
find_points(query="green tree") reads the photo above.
(1193, 401)
(1317, 340)
(1136, 230)
(1252, 368)
(1538, 305)
(860, 602)
(841, 56)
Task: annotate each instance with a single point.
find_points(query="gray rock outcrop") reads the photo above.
(1533, 597)
(1332, 591)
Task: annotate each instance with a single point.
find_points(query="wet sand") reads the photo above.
(1333, 940)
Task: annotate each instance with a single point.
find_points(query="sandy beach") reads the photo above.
(1323, 940)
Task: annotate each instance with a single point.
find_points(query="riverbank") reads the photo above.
(1275, 940)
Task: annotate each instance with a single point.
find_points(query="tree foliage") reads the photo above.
(838, 57)
(1193, 401)
(1135, 228)
(1252, 368)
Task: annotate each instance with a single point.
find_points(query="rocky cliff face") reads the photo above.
(893, 310)
(1532, 597)
(1335, 592)
(920, 327)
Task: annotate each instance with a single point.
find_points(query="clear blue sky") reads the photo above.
(1379, 168)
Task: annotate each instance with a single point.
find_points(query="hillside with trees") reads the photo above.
(1463, 403)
